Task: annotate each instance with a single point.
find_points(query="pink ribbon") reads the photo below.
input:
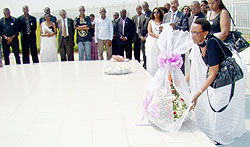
(172, 60)
(154, 108)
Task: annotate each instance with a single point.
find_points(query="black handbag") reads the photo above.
(236, 40)
(229, 71)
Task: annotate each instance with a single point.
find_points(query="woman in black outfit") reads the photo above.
(219, 18)
(220, 127)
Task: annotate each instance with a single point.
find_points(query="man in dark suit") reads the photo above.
(144, 30)
(146, 9)
(138, 20)
(177, 19)
(114, 45)
(47, 11)
(27, 27)
(124, 28)
(196, 13)
(66, 36)
(9, 32)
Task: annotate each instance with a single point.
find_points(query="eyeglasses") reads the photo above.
(196, 33)
(157, 12)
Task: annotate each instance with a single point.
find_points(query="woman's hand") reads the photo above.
(172, 25)
(194, 101)
(45, 35)
(161, 28)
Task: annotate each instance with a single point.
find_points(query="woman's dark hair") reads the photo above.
(189, 13)
(205, 24)
(161, 13)
(92, 15)
(222, 6)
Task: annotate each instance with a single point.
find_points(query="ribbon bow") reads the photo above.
(172, 60)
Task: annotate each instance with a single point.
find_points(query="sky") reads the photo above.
(35, 6)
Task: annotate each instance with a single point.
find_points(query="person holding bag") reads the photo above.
(219, 105)
(220, 19)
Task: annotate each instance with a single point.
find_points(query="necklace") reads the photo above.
(203, 51)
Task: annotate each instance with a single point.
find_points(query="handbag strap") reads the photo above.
(225, 55)
(230, 98)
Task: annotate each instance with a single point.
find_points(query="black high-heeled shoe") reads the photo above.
(217, 143)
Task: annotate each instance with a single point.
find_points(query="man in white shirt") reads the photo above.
(104, 34)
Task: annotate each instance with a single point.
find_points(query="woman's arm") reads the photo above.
(213, 71)
(225, 22)
(41, 32)
(150, 30)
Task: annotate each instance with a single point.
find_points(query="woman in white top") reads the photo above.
(152, 50)
(48, 51)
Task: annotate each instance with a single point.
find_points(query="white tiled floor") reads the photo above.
(75, 104)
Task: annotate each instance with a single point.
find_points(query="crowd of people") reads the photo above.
(93, 35)
(204, 20)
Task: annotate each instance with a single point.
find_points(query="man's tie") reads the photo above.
(172, 19)
(64, 29)
(28, 26)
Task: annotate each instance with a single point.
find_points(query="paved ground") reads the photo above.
(243, 141)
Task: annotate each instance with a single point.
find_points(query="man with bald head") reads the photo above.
(196, 13)
(27, 28)
(47, 11)
(124, 31)
(66, 36)
(146, 9)
(138, 20)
